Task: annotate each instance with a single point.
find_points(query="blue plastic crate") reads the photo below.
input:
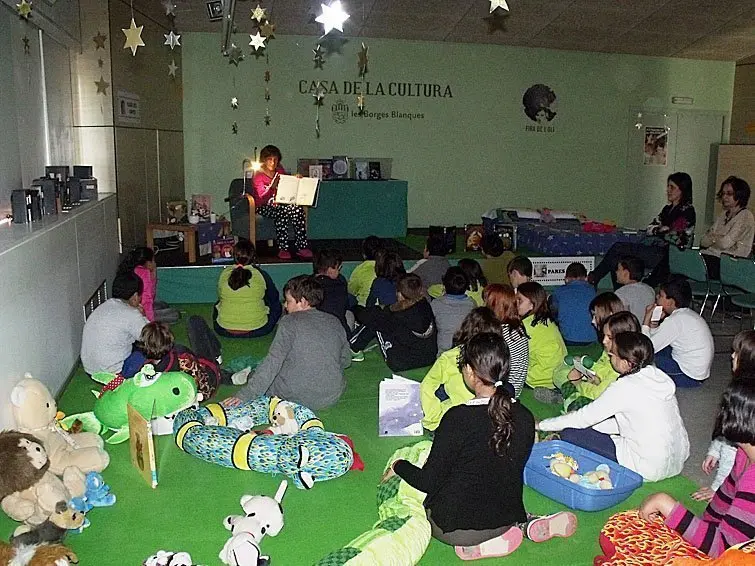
(538, 476)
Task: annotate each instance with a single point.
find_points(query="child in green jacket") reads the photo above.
(363, 275)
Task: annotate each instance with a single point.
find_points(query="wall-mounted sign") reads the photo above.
(540, 106)
(128, 108)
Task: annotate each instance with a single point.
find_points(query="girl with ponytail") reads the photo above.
(473, 476)
(248, 301)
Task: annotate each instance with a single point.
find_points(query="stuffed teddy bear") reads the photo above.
(263, 516)
(28, 491)
(34, 410)
(53, 529)
(37, 555)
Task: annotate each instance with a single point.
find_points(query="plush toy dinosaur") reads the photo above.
(155, 395)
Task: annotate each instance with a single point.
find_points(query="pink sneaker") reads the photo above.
(305, 253)
(503, 545)
(284, 254)
(562, 524)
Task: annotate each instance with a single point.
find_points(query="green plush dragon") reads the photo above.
(154, 395)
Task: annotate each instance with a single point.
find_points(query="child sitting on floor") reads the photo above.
(473, 476)
(547, 348)
(141, 260)
(451, 307)
(579, 390)
(571, 306)
(443, 387)
(405, 330)
(364, 274)
(635, 294)
(682, 340)
(434, 264)
(729, 518)
(306, 360)
(335, 296)
(107, 343)
(636, 421)
(519, 270)
(388, 268)
(720, 452)
(476, 282)
(502, 300)
(495, 259)
(248, 301)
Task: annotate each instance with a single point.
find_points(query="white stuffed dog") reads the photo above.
(283, 420)
(263, 516)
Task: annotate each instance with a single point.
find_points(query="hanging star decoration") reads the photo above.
(102, 85)
(332, 17)
(267, 75)
(170, 8)
(259, 14)
(133, 37)
(267, 119)
(172, 68)
(319, 94)
(495, 4)
(172, 39)
(496, 22)
(257, 41)
(360, 103)
(99, 40)
(27, 48)
(267, 93)
(235, 103)
(24, 9)
(235, 55)
(235, 128)
(268, 29)
(319, 58)
(362, 58)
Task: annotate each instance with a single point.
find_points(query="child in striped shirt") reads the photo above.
(729, 518)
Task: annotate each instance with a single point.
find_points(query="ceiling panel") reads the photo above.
(709, 29)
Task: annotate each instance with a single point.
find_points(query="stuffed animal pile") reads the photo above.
(566, 467)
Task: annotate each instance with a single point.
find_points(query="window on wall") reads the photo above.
(35, 105)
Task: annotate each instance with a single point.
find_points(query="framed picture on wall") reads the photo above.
(361, 170)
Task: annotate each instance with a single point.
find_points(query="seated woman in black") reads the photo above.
(675, 225)
(473, 476)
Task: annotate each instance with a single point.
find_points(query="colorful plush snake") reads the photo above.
(212, 433)
(402, 533)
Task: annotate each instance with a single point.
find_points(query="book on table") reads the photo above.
(302, 191)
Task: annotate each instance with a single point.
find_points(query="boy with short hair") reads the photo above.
(682, 341)
(451, 308)
(433, 267)
(363, 275)
(107, 343)
(571, 303)
(495, 259)
(306, 360)
(335, 296)
(635, 294)
(519, 270)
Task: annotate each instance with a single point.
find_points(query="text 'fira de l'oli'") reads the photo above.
(368, 88)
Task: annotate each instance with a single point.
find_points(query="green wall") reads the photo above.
(470, 152)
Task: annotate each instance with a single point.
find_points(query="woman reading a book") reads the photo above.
(264, 185)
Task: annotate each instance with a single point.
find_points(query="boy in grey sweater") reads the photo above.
(635, 295)
(451, 308)
(306, 360)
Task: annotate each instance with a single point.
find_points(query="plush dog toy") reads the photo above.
(167, 558)
(283, 419)
(37, 555)
(263, 516)
(34, 410)
(53, 529)
(28, 491)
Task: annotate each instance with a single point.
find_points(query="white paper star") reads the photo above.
(258, 42)
(172, 68)
(170, 8)
(498, 4)
(234, 103)
(133, 37)
(172, 39)
(259, 13)
(332, 17)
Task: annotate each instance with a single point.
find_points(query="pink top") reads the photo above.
(729, 518)
(149, 282)
(261, 185)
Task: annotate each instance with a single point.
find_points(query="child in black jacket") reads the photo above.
(405, 330)
(336, 301)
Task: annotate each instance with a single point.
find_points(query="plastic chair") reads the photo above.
(738, 281)
(691, 264)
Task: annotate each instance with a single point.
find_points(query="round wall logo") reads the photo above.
(539, 103)
(340, 111)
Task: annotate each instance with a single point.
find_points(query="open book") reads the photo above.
(399, 407)
(296, 190)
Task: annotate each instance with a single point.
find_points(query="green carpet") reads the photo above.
(186, 510)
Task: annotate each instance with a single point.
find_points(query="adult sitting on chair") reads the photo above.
(264, 184)
(682, 340)
(732, 232)
(674, 225)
